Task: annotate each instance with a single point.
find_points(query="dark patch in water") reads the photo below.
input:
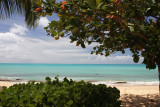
(120, 82)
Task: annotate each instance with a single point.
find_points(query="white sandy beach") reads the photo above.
(131, 96)
(138, 89)
(139, 95)
(7, 84)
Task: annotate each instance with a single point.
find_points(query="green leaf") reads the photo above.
(92, 3)
(112, 0)
(61, 34)
(35, 2)
(83, 45)
(48, 79)
(112, 12)
(54, 33)
(130, 24)
(99, 6)
(89, 42)
(99, 3)
(44, 14)
(104, 7)
(70, 27)
(53, 23)
(123, 51)
(49, 14)
(135, 58)
(131, 28)
(70, 102)
(75, 31)
(142, 27)
(30, 105)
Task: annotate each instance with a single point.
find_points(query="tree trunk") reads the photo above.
(158, 63)
(159, 75)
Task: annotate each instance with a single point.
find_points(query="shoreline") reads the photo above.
(107, 83)
(136, 89)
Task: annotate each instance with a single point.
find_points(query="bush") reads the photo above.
(66, 93)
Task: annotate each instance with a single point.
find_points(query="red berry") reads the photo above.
(141, 49)
(89, 18)
(38, 9)
(63, 3)
(155, 22)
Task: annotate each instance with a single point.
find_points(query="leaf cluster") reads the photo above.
(66, 93)
(114, 26)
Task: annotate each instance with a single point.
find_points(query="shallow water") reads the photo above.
(133, 74)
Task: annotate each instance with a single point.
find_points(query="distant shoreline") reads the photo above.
(124, 88)
(107, 83)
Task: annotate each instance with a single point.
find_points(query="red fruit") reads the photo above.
(38, 9)
(63, 2)
(155, 22)
(141, 49)
(117, 1)
(89, 18)
(110, 16)
(63, 7)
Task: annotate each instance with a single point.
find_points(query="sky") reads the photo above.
(18, 44)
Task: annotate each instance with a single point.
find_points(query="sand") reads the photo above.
(138, 89)
(131, 96)
(139, 95)
(7, 84)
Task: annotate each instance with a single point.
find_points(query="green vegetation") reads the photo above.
(66, 93)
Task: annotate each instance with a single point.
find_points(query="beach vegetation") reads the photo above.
(56, 93)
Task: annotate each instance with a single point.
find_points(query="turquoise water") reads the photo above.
(87, 72)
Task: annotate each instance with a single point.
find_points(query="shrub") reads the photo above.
(66, 93)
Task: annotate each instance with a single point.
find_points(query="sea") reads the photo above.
(109, 74)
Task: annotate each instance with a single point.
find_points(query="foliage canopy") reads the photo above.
(115, 25)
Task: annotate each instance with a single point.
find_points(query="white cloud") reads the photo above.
(15, 48)
(117, 59)
(43, 22)
(17, 29)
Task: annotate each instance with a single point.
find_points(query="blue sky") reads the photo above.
(18, 44)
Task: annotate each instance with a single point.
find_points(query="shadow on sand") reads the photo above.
(129, 100)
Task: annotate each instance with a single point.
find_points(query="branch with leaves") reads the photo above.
(130, 24)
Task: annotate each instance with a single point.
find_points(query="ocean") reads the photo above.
(97, 73)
